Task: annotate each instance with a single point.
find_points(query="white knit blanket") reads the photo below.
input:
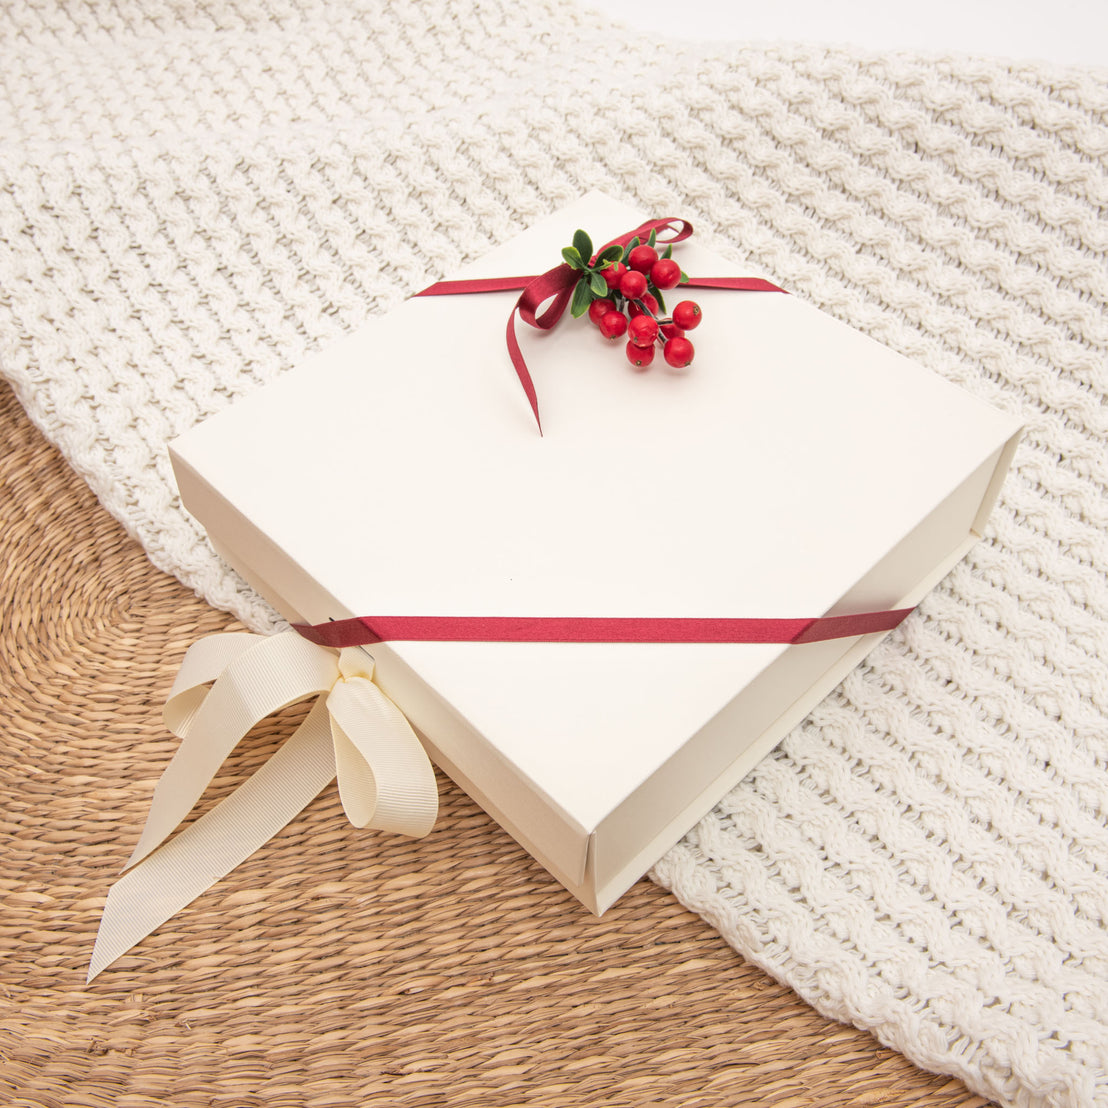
(194, 195)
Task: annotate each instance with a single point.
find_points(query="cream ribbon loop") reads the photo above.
(385, 777)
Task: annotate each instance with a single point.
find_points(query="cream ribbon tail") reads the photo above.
(353, 732)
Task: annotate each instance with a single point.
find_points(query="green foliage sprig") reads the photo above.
(591, 284)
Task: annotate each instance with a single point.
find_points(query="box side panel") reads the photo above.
(540, 826)
(674, 797)
(993, 491)
(610, 877)
(255, 557)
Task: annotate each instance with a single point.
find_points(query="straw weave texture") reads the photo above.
(192, 197)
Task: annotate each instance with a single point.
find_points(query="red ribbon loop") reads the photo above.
(680, 229)
(557, 283)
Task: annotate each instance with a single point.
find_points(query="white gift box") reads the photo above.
(797, 469)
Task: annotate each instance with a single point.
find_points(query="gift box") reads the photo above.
(797, 469)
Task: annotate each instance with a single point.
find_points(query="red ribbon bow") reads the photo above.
(556, 285)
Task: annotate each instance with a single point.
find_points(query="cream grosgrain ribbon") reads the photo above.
(353, 732)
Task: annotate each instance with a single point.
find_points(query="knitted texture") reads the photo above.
(193, 195)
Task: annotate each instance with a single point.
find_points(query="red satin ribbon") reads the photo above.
(556, 285)
(367, 630)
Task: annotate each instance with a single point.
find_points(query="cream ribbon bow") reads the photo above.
(355, 732)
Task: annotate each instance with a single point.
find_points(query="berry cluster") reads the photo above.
(621, 290)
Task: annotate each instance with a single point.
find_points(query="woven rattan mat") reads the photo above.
(335, 968)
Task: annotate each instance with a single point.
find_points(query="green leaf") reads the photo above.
(612, 254)
(598, 284)
(573, 256)
(583, 244)
(656, 293)
(684, 278)
(582, 298)
(668, 252)
(653, 238)
(629, 247)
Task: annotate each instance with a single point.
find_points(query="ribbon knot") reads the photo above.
(353, 732)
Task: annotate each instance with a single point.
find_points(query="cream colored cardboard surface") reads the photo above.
(785, 474)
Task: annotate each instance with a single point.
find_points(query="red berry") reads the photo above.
(642, 258)
(599, 308)
(642, 330)
(678, 352)
(687, 315)
(613, 274)
(665, 273)
(671, 330)
(645, 303)
(632, 284)
(640, 356)
(613, 324)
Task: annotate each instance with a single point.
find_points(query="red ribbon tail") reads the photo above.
(522, 372)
